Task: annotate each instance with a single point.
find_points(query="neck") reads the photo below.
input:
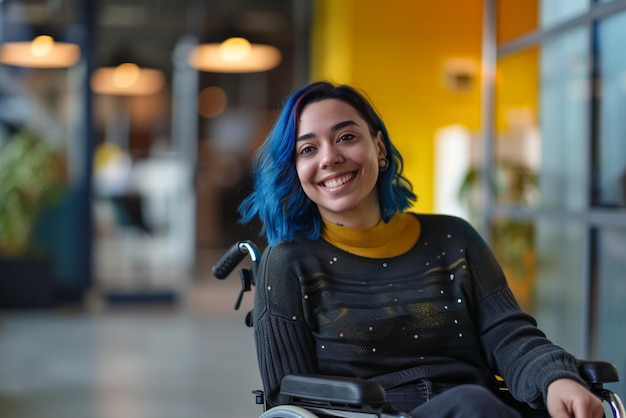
(366, 215)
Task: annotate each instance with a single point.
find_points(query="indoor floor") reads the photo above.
(194, 359)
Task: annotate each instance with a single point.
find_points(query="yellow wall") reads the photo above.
(395, 52)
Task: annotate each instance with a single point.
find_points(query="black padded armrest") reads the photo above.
(596, 371)
(333, 389)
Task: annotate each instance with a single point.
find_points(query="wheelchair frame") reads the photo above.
(352, 397)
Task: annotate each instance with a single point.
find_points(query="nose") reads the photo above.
(330, 156)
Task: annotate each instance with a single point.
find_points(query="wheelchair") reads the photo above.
(317, 396)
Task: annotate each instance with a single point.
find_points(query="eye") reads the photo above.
(346, 137)
(307, 149)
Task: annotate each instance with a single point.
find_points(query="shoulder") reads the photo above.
(448, 230)
(277, 279)
(282, 260)
(443, 222)
(287, 250)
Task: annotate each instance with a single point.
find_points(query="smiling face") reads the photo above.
(337, 161)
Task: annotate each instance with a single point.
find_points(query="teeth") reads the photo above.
(334, 183)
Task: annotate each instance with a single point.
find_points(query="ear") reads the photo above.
(380, 145)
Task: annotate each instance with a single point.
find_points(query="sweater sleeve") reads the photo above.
(284, 342)
(513, 344)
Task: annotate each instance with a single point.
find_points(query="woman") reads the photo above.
(353, 285)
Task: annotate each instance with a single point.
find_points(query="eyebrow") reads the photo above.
(333, 128)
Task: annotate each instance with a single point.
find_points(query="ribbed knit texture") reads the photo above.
(440, 310)
(389, 239)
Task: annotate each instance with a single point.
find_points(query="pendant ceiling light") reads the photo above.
(127, 79)
(41, 52)
(234, 55)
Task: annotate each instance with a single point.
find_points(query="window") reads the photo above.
(611, 165)
(558, 169)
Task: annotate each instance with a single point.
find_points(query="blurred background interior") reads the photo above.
(125, 136)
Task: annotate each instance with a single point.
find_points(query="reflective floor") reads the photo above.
(192, 360)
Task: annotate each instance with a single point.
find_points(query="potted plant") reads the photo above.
(513, 241)
(31, 180)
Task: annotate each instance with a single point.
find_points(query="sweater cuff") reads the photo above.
(564, 369)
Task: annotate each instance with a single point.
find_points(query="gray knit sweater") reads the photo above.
(441, 311)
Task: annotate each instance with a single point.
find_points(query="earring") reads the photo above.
(384, 164)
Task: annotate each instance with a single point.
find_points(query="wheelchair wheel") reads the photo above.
(288, 411)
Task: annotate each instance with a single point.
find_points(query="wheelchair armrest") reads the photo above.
(333, 389)
(596, 371)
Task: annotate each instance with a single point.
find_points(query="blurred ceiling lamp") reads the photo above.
(127, 79)
(212, 101)
(234, 55)
(42, 52)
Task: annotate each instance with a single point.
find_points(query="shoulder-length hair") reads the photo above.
(277, 197)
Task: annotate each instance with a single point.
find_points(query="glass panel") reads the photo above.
(564, 121)
(558, 290)
(611, 176)
(545, 165)
(514, 246)
(611, 310)
(518, 18)
(517, 143)
(515, 18)
(537, 260)
(554, 12)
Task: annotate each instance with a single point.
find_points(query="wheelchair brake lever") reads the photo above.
(246, 285)
(239, 298)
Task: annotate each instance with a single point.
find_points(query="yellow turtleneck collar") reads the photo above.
(383, 240)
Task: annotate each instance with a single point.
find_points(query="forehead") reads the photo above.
(324, 114)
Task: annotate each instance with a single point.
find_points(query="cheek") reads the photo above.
(303, 175)
(372, 161)
(303, 170)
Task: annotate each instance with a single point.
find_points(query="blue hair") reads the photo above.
(277, 198)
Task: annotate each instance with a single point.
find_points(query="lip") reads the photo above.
(336, 182)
